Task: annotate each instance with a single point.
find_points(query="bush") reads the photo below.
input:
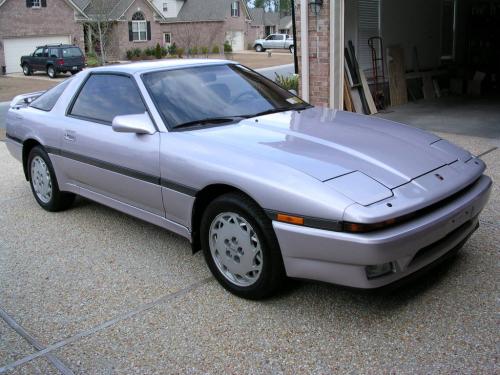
(149, 51)
(204, 51)
(193, 51)
(215, 50)
(180, 52)
(290, 82)
(130, 54)
(158, 51)
(249, 46)
(172, 49)
(164, 51)
(92, 60)
(136, 52)
(227, 47)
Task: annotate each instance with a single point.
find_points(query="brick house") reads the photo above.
(25, 24)
(267, 23)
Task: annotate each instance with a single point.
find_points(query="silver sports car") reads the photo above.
(265, 184)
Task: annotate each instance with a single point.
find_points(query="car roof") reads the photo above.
(58, 45)
(148, 66)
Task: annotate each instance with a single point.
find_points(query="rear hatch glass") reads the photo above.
(72, 56)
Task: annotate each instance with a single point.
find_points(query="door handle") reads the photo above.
(69, 135)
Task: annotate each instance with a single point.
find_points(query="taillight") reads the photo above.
(60, 62)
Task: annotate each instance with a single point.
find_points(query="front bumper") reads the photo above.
(341, 258)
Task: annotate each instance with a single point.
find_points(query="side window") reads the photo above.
(48, 100)
(45, 52)
(53, 53)
(39, 52)
(105, 96)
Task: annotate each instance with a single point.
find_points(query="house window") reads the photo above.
(36, 3)
(139, 27)
(235, 9)
(165, 7)
(167, 39)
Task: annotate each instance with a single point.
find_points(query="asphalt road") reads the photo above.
(93, 291)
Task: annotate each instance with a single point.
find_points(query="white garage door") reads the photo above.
(16, 47)
(237, 40)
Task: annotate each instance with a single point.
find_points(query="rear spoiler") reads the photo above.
(24, 100)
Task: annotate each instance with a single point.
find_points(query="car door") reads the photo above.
(120, 166)
(268, 42)
(36, 59)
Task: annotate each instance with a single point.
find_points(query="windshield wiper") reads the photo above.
(210, 120)
(280, 109)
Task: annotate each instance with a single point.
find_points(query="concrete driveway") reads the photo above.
(93, 291)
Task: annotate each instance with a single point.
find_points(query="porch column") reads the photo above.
(336, 54)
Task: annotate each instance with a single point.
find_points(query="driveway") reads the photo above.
(93, 291)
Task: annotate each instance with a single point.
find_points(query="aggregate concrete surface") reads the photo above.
(106, 293)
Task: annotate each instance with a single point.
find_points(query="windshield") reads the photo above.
(191, 95)
(72, 52)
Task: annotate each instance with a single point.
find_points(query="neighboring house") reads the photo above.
(267, 23)
(26, 24)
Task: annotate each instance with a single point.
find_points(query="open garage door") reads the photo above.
(16, 47)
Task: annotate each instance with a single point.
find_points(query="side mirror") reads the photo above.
(293, 92)
(139, 124)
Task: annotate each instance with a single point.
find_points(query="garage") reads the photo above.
(16, 47)
(236, 39)
(434, 64)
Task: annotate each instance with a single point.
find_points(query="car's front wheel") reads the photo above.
(44, 184)
(240, 247)
(259, 48)
(51, 71)
(26, 70)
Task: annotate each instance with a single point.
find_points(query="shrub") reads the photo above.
(164, 51)
(227, 47)
(180, 52)
(172, 49)
(193, 51)
(158, 51)
(204, 51)
(290, 82)
(129, 54)
(215, 50)
(92, 60)
(149, 51)
(136, 52)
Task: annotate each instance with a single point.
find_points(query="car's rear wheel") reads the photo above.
(44, 183)
(26, 70)
(240, 247)
(259, 48)
(51, 71)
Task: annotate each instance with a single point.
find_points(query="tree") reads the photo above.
(100, 24)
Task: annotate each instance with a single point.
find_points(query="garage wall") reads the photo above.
(413, 23)
(16, 20)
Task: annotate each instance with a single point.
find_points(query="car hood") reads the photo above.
(326, 144)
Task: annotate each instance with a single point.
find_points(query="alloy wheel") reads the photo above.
(236, 249)
(41, 180)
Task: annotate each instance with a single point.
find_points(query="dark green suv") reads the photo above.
(53, 59)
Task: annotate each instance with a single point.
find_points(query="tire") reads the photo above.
(27, 70)
(291, 49)
(43, 182)
(259, 48)
(75, 72)
(51, 71)
(238, 237)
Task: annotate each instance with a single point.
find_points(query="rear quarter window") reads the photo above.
(48, 100)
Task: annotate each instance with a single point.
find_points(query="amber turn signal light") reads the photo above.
(290, 219)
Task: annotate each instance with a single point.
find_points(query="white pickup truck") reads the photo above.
(274, 41)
